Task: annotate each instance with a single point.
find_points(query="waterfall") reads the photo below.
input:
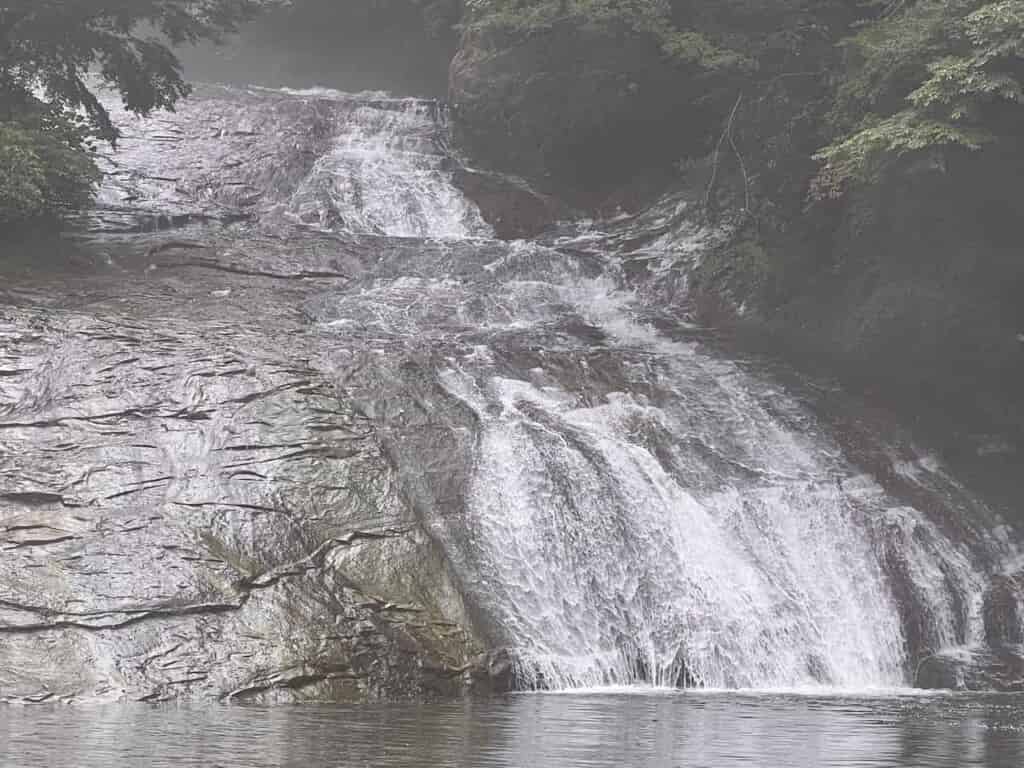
(357, 163)
(682, 531)
(640, 508)
(386, 173)
(683, 523)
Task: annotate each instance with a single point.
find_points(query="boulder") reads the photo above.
(508, 204)
(973, 669)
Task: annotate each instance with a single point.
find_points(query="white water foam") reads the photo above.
(702, 541)
(386, 174)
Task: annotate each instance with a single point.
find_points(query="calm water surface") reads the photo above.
(533, 731)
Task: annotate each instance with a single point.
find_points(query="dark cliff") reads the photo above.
(908, 287)
(577, 110)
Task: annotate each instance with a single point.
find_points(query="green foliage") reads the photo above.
(934, 76)
(726, 36)
(49, 110)
(649, 17)
(44, 170)
(22, 175)
(997, 30)
(866, 154)
(697, 48)
(49, 45)
(957, 85)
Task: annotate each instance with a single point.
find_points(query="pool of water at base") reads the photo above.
(596, 730)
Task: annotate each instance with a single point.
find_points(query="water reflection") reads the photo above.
(533, 731)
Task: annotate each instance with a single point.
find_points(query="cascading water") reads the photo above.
(640, 509)
(359, 163)
(385, 174)
(679, 530)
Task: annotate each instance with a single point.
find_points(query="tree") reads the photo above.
(936, 75)
(649, 17)
(52, 55)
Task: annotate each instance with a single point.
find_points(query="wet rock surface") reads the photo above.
(974, 669)
(195, 500)
(192, 506)
(1004, 617)
(284, 421)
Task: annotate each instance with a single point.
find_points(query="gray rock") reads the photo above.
(1002, 610)
(974, 669)
(193, 506)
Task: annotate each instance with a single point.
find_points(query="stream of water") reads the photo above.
(619, 500)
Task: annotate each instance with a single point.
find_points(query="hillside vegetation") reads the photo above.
(54, 53)
(823, 96)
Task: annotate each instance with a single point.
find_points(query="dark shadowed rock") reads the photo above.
(1004, 617)
(974, 669)
(508, 204)
(573, 104)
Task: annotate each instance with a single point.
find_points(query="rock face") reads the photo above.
(200, 496)
(976, 669)
(998, 663)
(1003, 615)
(511, 207)
(573, 105)
(911, 290)
(287, 422)
(191, 506)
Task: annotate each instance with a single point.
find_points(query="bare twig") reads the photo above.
(743, 170)
(726, 134)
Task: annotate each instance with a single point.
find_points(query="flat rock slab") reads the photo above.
(191, 504)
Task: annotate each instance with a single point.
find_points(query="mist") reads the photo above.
(511, 383)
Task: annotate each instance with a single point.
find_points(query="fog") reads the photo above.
(344, 52)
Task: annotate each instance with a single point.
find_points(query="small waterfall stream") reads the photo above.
(640, 509)
(384, 173)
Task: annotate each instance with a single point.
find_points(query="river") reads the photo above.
(542, 731)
